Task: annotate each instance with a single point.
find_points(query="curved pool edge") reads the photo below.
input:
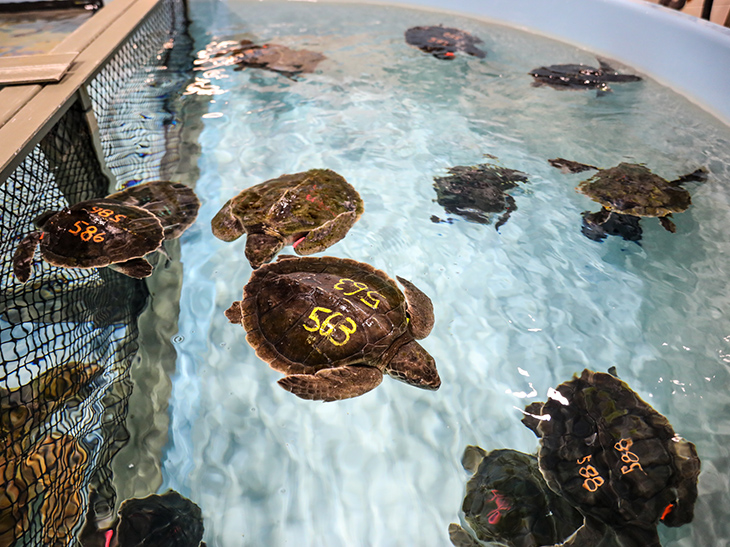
(687, 54)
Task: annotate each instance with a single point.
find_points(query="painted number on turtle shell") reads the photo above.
(107, 213)
(502, 505)
(370, 298)
(327, 329)
(87, 232)
(629, 457)
(592, 478)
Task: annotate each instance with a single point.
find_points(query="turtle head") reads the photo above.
(41, 219)
(262, 247)
(413, 365)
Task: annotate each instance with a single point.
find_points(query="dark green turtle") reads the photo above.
(443, 42)
(632, 189)
(577, 76)
(507, 500)
(312, 210)
(334, 326)
(109, 231)
(475, 192)
(273, 57)
(614, 458)
(159, 520)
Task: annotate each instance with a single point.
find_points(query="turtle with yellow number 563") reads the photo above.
(117, 231)
(334, 326)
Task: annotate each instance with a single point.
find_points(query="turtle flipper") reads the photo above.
(234, 313)
(333, 384)
(414, 366)
(460, 537)
(23, 257)
(226, 226)
(326, 235)
(511, 207)
(420, 309)
(698, 175)
(667, 224)
(137, 267)
(569, 166)
(261, 248)
(586, 536)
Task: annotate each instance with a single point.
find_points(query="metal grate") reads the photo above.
(69, 336)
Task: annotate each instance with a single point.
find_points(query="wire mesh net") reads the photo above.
(69, 336)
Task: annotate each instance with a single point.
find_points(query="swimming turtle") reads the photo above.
(274, 57)
(108, 232)
(168, 520)
(474, 192)
(312, 210)
(443, 42)
(614, 458)
(507, 500)
(632, 189)
(579, 76)
(175, 204)
(334, 326)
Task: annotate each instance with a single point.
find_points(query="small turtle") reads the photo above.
(614, 458)
(474, 192)
(334, 326)
(312, 210)
(108, 231)
(507, 500)
(572, 76)
(632, 189)
(166, 520)
(274, 57)
(175, 204)
(443, 42)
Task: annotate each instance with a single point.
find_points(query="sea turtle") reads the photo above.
(334, 326)
(632, 189)
(312, 210)
(614, 458)
(108, 232)
(507, 500)
(443, 42)
(474, 192)
(165, 520)
(578, 76)
(274, 57)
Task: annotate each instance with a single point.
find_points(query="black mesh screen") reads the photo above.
(68, 336)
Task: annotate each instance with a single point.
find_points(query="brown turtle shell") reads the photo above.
(443, 42)
(632, 189)
(303, 315)
(175, 204)
(99, 232)
(614, 457)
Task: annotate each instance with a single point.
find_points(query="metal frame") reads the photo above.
(27, 112)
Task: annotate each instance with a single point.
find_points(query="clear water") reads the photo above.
(517, 311)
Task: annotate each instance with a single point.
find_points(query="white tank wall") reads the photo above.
(688, 54)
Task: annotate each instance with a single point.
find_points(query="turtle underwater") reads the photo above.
(443, 42)
(334, 326)
(614, 458)
(632, 189)
(311, 210)
(474, 192)
(111, 231)
(273, 57)
(508, 501)
(579, 76)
